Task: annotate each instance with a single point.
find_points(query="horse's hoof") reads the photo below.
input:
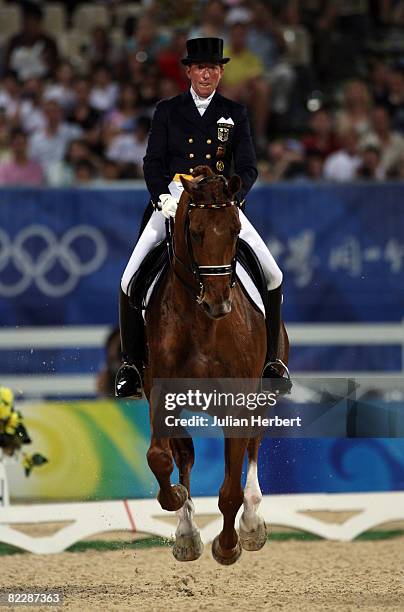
(253, 540)
(225, 557)
(179, 496)
(188, 547)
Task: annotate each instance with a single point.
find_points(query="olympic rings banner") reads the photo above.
(62, 254)
(341, 248)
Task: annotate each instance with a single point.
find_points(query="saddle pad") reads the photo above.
(244, 279)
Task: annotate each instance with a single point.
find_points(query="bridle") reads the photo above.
(198, 271)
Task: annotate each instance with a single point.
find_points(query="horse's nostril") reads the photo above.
(217, 311)
(207, 308)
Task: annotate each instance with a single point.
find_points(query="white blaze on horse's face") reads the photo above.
(214, 234)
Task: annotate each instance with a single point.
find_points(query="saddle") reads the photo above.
(157, 262)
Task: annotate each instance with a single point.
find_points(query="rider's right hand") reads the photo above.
(168, 205)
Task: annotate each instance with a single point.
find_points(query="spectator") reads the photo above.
(296, 37)
(355, 110)
(62, 172)
(168, 88)
(322, 138)
(30, 111)
(395, 102)
(10, 93)
(266, 39)
(285, 160)
(378, 82)
(20, 170)
(147, 41)
(104, 91)
(5, 149)
(84, 172)
(370, 167)
(397, 171)
(31, 53)
(100, 50)
(131, 148)
(342, 165)
(178, 14)
(61, 89)
(168, 60)
(314, 166)
(319, 17)
(83, 114)
(390, 144)
(243, 79)
(212, 22)
(48, 145)
(110, 170)
(123, 117)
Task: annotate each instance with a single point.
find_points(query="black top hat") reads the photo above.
(209, 50)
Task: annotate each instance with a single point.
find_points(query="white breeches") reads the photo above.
(155, 231)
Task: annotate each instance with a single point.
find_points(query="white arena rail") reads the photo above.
(145, 516)
(319, 334)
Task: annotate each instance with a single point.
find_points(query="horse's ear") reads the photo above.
(202, 171)
(187, 184)
(233, 185)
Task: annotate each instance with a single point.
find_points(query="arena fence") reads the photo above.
(93, 337)
(366, 510)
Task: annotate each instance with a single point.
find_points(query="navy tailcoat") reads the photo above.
(181, 139)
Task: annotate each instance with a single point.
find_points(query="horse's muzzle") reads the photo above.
(217, 311)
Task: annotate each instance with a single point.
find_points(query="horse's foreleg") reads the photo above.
(160, 460)
(226, 547)
(253, 533)
(184, 456)
(188, 544)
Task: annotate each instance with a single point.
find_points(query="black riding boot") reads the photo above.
(273, 322)
(128, 380)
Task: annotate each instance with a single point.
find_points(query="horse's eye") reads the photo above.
(235, 232)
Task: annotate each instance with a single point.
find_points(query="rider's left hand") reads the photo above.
(168, 205)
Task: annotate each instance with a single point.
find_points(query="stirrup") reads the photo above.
(283, 383)
(128, 382)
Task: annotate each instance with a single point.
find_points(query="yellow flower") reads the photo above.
(12, 423)
(6, 397)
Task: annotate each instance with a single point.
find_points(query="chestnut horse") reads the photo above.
(201, 325)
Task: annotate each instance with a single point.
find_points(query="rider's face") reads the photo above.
(204, 78)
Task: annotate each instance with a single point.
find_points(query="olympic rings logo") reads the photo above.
(54, 252)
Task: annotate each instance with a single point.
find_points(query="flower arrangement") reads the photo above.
(13, 433)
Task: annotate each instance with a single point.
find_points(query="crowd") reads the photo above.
(323, 81)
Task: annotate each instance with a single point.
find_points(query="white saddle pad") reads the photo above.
(244, 278)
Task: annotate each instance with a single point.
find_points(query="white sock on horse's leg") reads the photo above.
(250, 518)
(186, 525)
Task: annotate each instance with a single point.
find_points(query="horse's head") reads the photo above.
(212, 227)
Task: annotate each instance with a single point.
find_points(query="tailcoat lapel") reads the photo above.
(189, 111)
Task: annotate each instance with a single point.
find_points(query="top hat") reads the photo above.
(201, 50)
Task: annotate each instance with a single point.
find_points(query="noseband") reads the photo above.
(197, 270)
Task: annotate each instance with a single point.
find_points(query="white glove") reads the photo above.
(168, 205)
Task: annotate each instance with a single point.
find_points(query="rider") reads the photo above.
(199, 127)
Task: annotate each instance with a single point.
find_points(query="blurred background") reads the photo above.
(79, 81)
